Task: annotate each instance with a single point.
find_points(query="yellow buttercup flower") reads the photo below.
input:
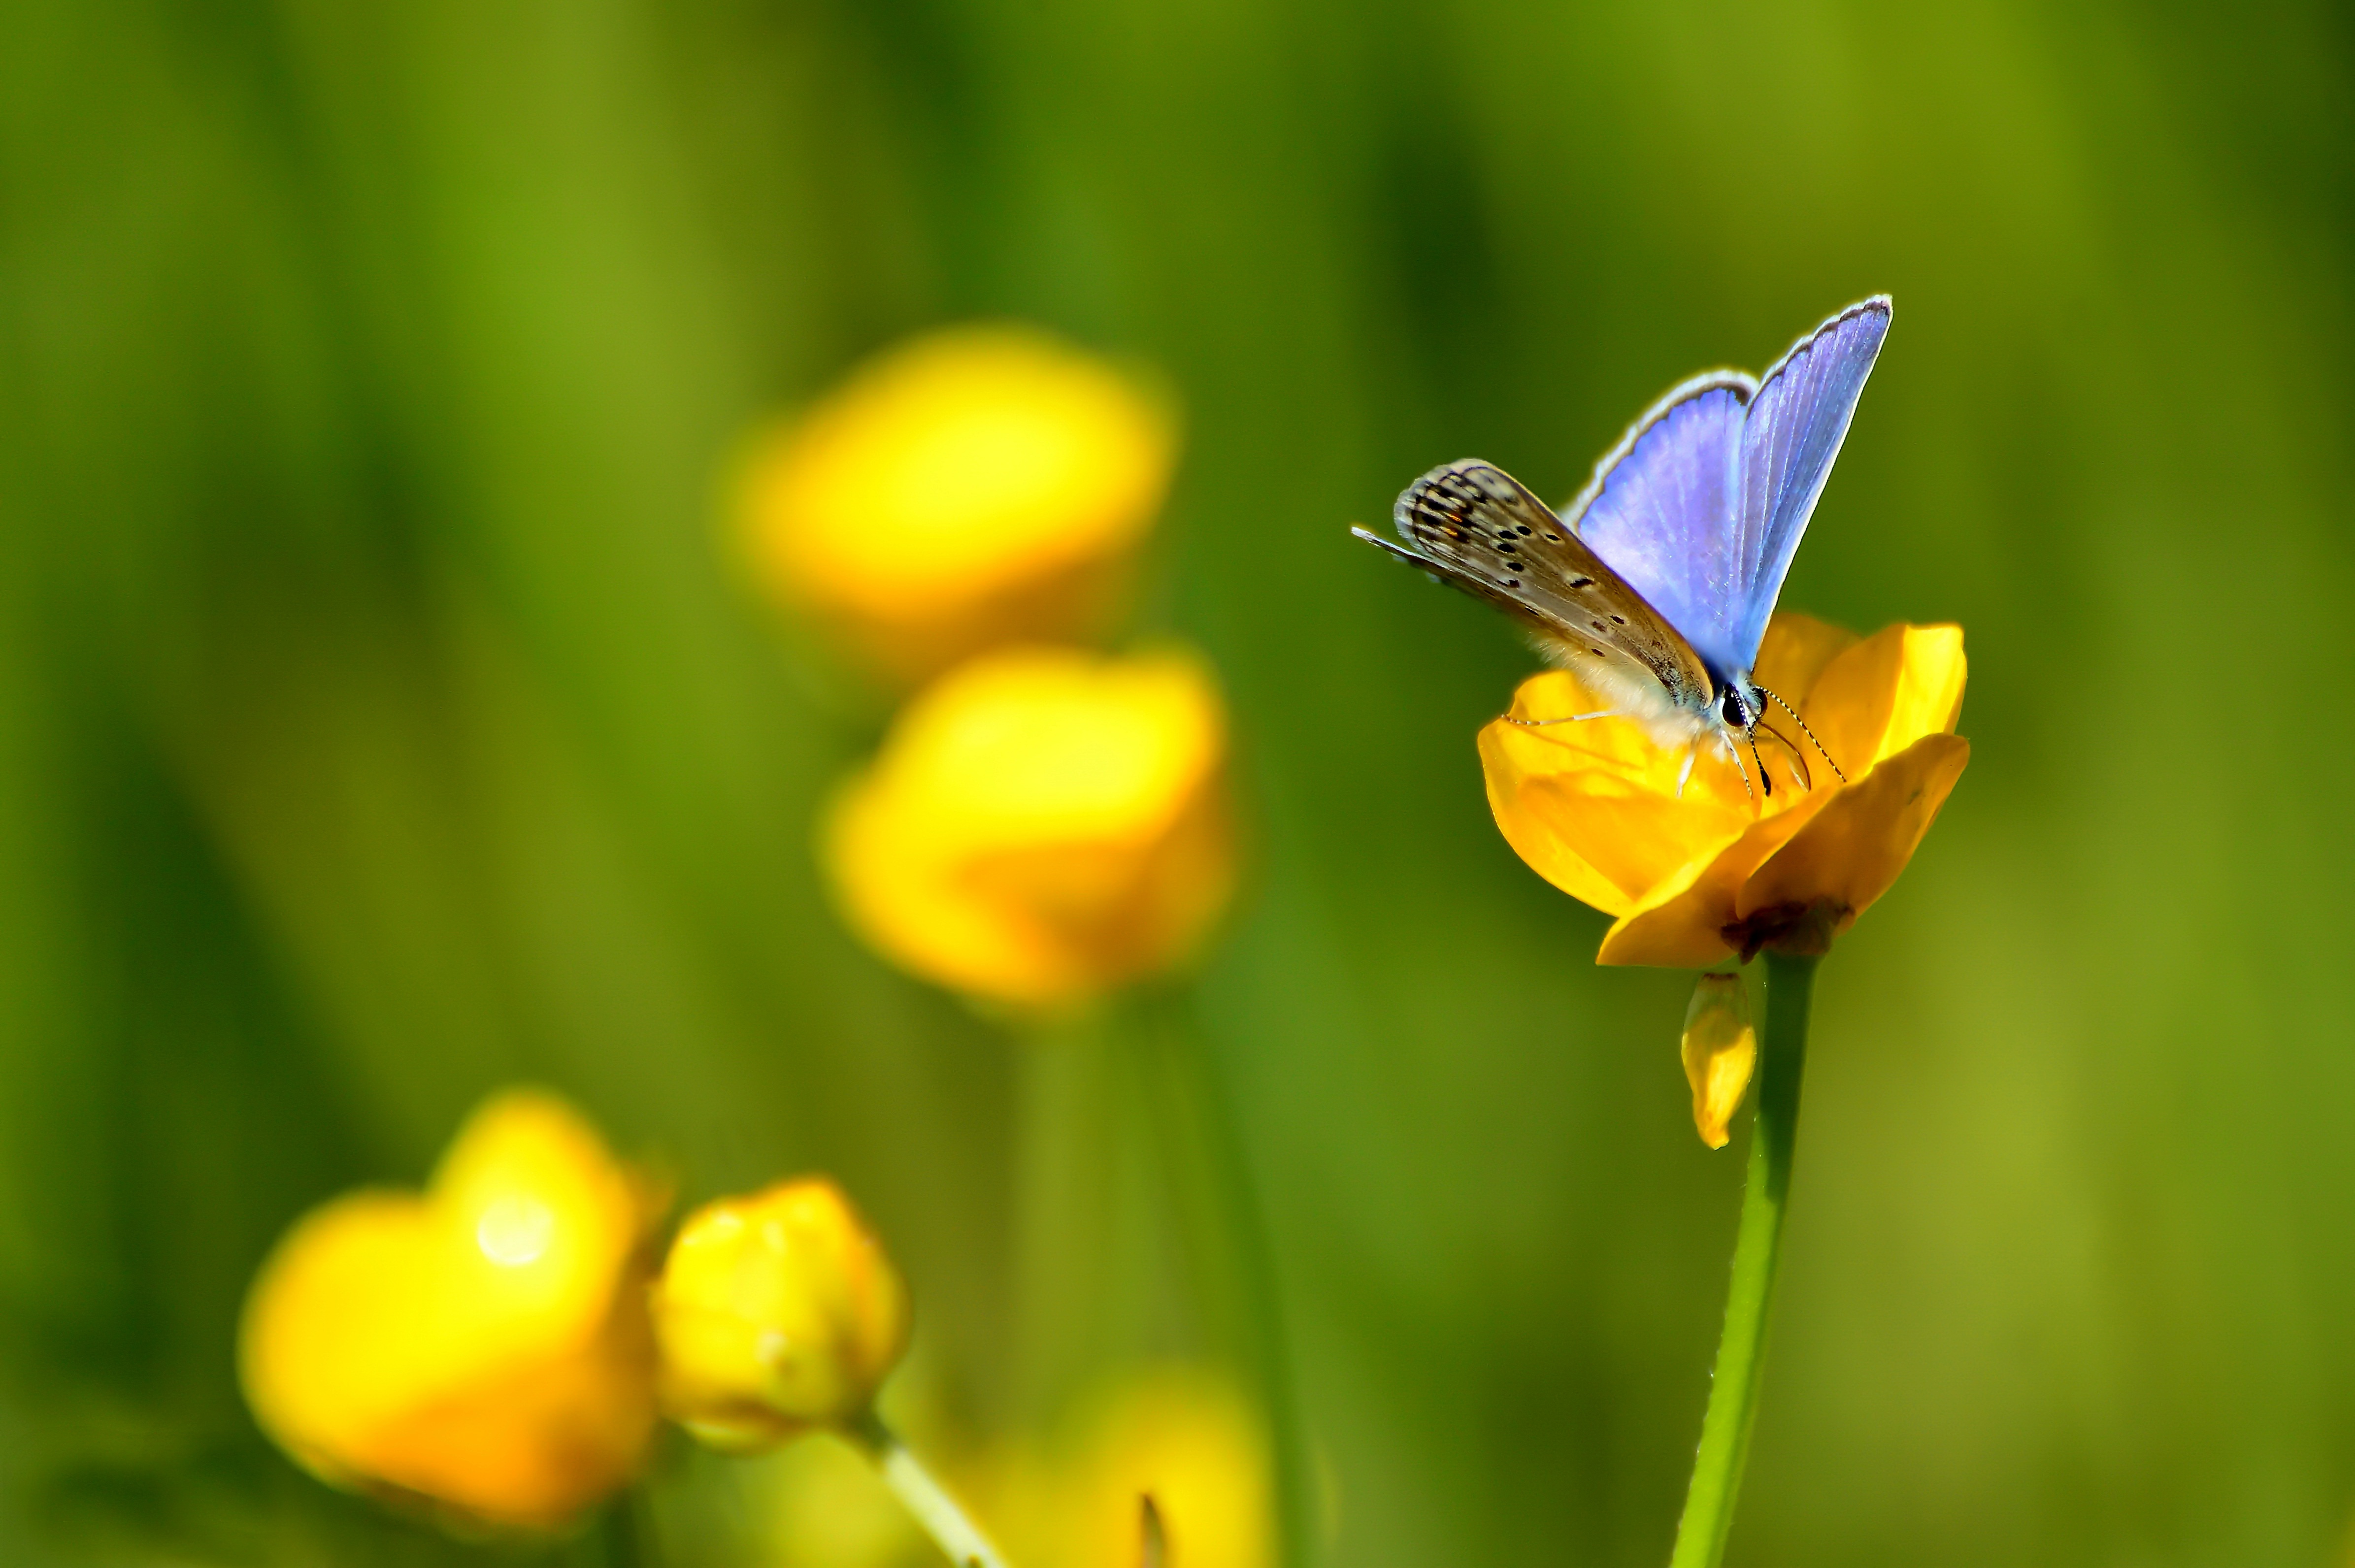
(481, 1345)
(973, 486)
(1699, 872)
(776, 1313)
(1041, 825)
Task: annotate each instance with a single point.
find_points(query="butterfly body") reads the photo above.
(1655, 584)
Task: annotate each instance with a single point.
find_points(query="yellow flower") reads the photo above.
(776, 1313)
(1041, 825)
(483, 1345)
(1184, 1437)
(970, 487)
(1693, 875)
(1721, 1051)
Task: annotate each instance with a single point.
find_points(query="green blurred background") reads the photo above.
(380, 721)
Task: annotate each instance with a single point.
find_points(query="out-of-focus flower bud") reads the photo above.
(1041, 825)
(776, 1313)
(1720, 1052)
(481, 1346)
(973, 486)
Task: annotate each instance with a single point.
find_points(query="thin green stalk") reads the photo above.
(1238, 1223)
(925, 1497)
(1757, 1248)
(1066, 1214)
(621, 1534)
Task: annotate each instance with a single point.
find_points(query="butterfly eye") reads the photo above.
(1736, 711)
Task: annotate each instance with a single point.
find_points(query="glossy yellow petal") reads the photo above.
(1851, 852)
(776, 1313)
(1887, 691)
(1720, 1050)
(1682, 922)
(1592, 805)
(481, 1344)
(1041, 825)
(972, 486)
(1795, 653)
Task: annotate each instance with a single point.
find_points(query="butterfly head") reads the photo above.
(1735, 708)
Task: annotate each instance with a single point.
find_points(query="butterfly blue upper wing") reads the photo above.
(1793, 428)
(1661, 511)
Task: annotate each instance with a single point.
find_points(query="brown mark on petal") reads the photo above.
(1800, 930)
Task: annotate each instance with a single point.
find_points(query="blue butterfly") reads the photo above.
(1655, 584)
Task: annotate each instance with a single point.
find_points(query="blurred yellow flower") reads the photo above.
(776, 1313)
(1041, 825)
(970, 487)
(483, 1345)
(1721, 1051)
(1181, 1435)
(1695, 873)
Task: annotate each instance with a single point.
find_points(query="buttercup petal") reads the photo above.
(1593, 806)
(1681, 924)
(1850, 851)
(1796, 653)
(1887, 691)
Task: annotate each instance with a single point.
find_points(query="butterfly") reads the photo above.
(1655, 584)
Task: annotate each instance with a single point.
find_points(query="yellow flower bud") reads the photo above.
(1041, 825)
(973, 486)
(776, 1313)
(481, 1345)
(1720, 1052)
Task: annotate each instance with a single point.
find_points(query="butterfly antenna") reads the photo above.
(1809, 733)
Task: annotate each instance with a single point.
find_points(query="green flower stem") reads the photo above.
(1757, 1248)
(1068, 1214)
(621, 1533)
(925, 1497)
(1229, 1217)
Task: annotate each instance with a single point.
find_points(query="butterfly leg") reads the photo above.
(1567, 718)
(1734, 752)
(1765, 779)
(1692, 752)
